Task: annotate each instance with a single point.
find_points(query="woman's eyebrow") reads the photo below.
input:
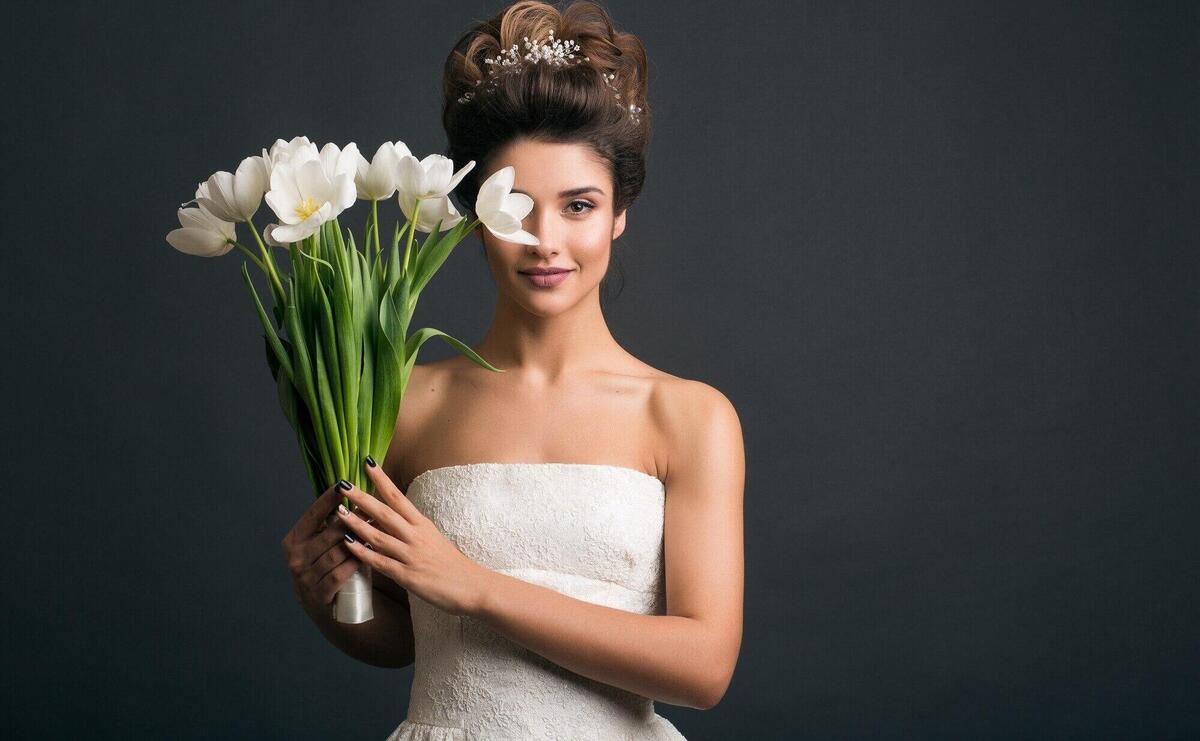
(571, 192)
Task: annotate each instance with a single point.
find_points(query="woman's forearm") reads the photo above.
(385, 640)
(663, 657)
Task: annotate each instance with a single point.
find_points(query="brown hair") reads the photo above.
(570, 103)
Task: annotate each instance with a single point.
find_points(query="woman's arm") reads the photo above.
(687, 656)
(386, 640)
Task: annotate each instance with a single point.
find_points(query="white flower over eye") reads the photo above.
(501, 210)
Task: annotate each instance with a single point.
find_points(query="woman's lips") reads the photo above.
(548, 280)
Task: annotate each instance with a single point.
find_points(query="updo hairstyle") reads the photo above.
(588, 102)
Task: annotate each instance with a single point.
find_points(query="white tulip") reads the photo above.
(336, 161)
(377, 180)
(429, 181)
(202, 234)
(434, 210)
(304, 197)
(502, 211)
(201, 192)
(235, 197)
(294, 152)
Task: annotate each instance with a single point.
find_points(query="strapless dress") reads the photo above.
(591, 531)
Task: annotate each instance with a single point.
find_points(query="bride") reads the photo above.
(558, 546)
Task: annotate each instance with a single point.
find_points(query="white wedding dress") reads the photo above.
(592, 531)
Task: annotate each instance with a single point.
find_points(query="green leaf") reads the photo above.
(391, 272)
(328, 342)
(434, 256)
(430, 242)
(391, 322)
(271, 335)
(420, 336)
(400, 305)
(304, 378)
(349, 345)
(316, 260)
(292, 407)
(388, 382)
(365, 398)
(326, 401)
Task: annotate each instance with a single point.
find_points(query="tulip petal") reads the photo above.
(458, 176)
(249, 184)
(284, 196)
(502, 222)
(222, 203)
(411, 175)
(439, 169)
(269, 236)
(344, 191)
(347, 161)
(199, 218)
(434, 210)
(494, 188)
(379, 178)
(297, 232)
(519, 236)
(517, 205)
(199, 242)
(311, 181)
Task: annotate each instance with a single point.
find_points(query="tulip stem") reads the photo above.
(270, 267)
(375, 223)
(252, 256)
(408, 246)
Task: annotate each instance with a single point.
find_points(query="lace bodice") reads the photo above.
(591, 531)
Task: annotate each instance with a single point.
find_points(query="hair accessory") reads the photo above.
(552, 51)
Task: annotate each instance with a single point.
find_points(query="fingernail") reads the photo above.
(349, 538)
(345, 484)
(370, 461)
(343, 510)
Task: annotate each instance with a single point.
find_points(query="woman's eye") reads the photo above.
(587, 206)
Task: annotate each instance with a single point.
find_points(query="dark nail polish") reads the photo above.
(345, 485)
(370, 461)
(349, 538)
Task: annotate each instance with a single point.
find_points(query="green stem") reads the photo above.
(411, 231)
(253, 257)
(375, 221)
(273, 273)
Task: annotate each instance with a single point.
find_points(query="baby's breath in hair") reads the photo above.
(553, 51)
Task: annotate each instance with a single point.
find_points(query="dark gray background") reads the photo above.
(942, 257)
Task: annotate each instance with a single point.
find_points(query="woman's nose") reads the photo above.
(547, 239)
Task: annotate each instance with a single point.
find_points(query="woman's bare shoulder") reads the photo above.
(683, 408)
(421, 397)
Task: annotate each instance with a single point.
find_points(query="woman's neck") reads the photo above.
(546, 349)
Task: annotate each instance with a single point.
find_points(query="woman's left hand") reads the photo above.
(409, 549)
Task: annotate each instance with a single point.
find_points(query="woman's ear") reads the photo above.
(619, 225)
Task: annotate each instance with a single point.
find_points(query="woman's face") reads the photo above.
(572, 218)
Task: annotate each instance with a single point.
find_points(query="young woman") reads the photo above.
(559, 545)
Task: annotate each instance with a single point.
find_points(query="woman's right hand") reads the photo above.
(316, 554)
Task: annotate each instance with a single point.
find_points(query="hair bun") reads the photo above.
(617, 58)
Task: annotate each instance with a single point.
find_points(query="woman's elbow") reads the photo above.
(713, 691)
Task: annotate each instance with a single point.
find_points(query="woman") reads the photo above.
(558, 545)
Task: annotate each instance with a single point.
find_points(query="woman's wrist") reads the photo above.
(384, 640)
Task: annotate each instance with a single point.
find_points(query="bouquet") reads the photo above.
(339, 349)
